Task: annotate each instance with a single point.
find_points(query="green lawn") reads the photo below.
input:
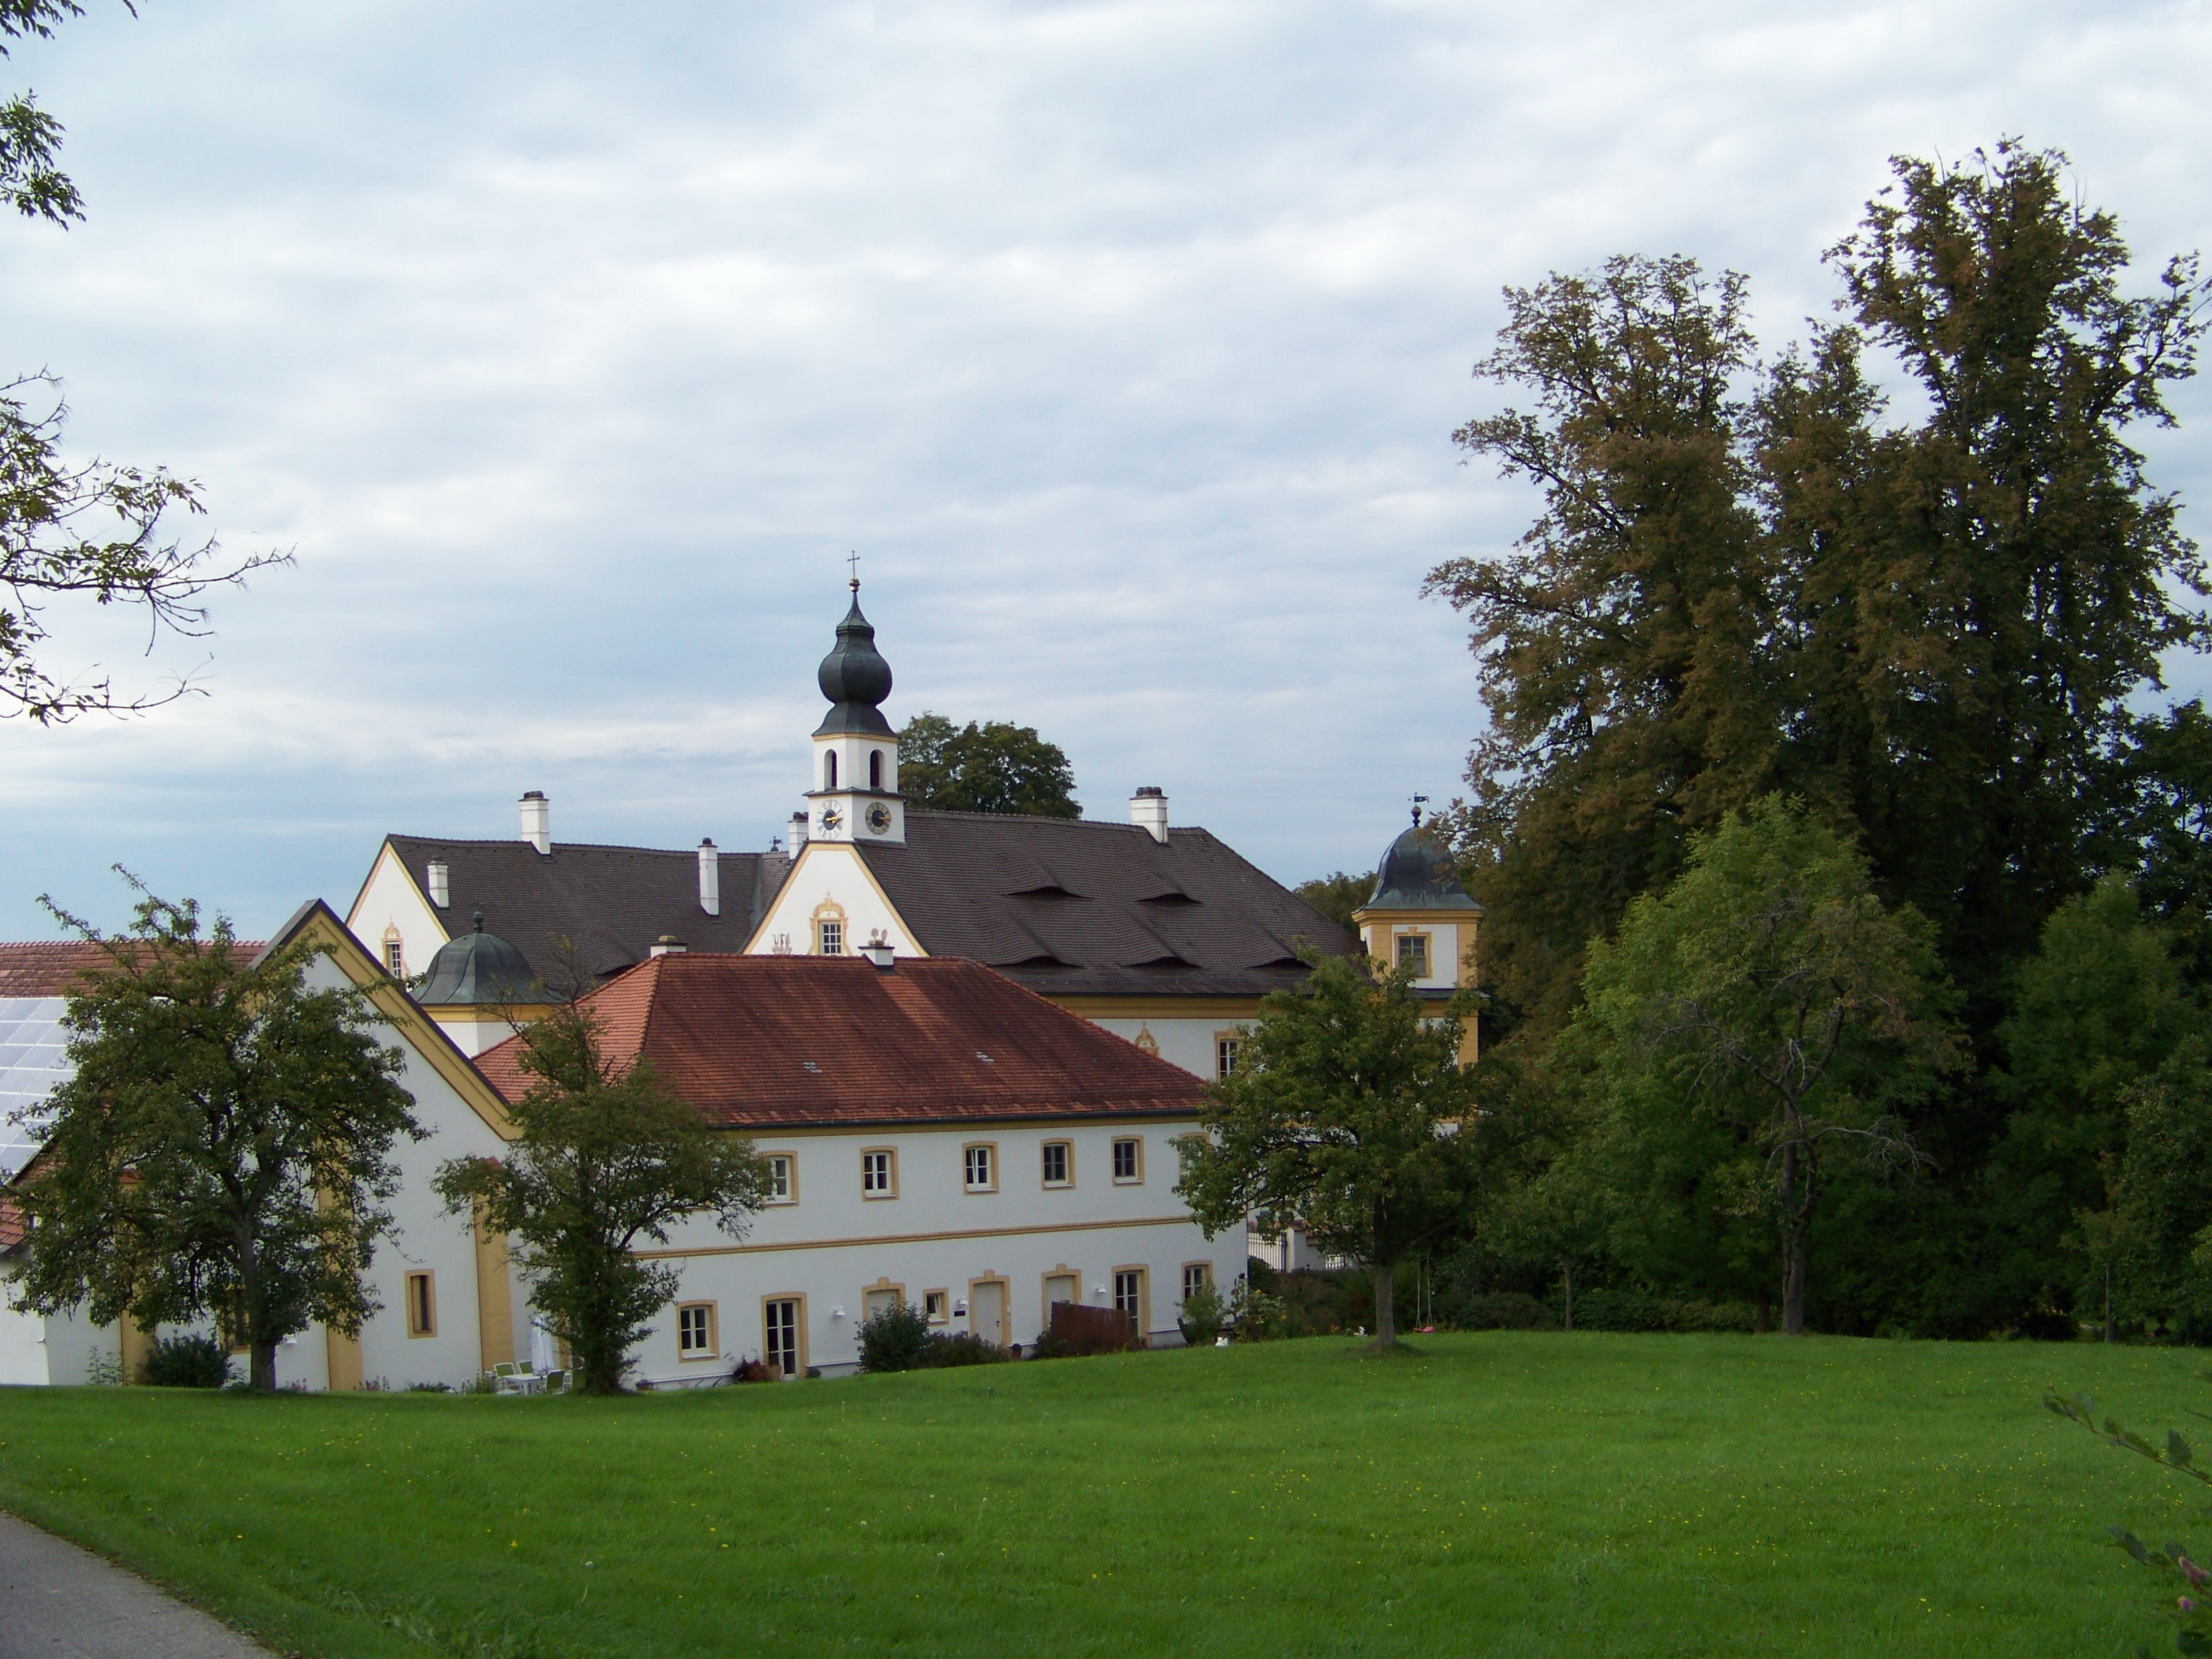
(1502, 1494)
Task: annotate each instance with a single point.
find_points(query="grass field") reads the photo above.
(1501, 1494)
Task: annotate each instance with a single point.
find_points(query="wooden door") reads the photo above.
(987, 1311)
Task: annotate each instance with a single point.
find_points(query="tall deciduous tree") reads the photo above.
(221, 1148)
(1619, 639)
(1344, 1120)
(605, 1158)
(1769, 993)
(992, 768)
(1748, 579)
(1337, 895)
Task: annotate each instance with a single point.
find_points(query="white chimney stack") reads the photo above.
(1148, 810)
(668, 945)
(797, 832)
(710, 878)
(440, 892)
(537, 820)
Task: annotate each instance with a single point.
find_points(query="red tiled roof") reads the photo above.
(50, 968)
(13, 1228)
(791, 1042)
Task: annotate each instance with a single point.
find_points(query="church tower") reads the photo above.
(855, 796)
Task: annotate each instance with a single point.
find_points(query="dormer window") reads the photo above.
(875, 768)
(395, 956)
(829, 770)
(831, 937)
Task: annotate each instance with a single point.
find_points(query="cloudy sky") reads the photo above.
(570, 348)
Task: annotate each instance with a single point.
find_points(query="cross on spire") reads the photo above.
(854, 560)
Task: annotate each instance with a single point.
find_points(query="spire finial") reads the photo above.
(1420, 801)
(479, 922)
(854, 560)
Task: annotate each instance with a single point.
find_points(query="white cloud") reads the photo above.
(571, 348)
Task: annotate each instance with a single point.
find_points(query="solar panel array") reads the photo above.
(32, 1060)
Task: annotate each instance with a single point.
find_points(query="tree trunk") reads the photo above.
(2108, 1302)
(1795, 1213)
(263, 1368)
(1567, 1269)
(1762, 1311)
(1386, 1313)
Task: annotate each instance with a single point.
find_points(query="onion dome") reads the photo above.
(478, 968)
(1417, 874)
(855, 679)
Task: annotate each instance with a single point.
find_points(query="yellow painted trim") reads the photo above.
(387, 851)
(791, 1183)
(323, 927)
(946, 1125)
(494, 1297)
(968, 1187)
(1005, 1302)
(846, 849)
(944, 1318)
(342, 1354)
(883, 1283)
(800, 1296)
(1044, 1290)
(1157, 1007)
(713, 1348)
(1144, 1296)
(1136, 1180)
(1056, 1186)
(878, 1240)
(867, 1197)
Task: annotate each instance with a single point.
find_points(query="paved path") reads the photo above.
(58, 1601)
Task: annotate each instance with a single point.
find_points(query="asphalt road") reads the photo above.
(58, 1601)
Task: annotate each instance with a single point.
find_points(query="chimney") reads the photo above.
(537, 820)
(440, 892)
(668, 945)
(878, 952)
(710, 878)
(1148, 810)
(797, 832)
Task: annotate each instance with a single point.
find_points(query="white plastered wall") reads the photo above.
(391, 900)
(23, 1342)
(826, 873)
(833, 1244)
(1185, 1042)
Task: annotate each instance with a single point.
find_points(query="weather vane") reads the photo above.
(853, 559)
(1420, 801)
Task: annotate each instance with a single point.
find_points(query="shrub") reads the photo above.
(961, 1348)
(895, 1339)
(1628, 1309)
(1499, 1310)
(1201, 1317)
(1256, 1314)
(755, 1370)
(186, 1362)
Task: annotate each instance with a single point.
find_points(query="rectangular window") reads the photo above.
(881, 1298)
(1129, 1294)
(395, 958)
(780, 1345)
(1128, 1160)
(695, 1331)
(1413, 953)
(782, 1178)
(981, 1167)
(1225, 1049)
(1057, 1163)
(937, 1306)
(830, 936)
(421, 1306)
(1196, 1276)
(879, 1172)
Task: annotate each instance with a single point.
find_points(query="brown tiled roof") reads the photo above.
(799, 1041)
(43, 968)
(612, 903)
(14, 1227)
(1070, 906)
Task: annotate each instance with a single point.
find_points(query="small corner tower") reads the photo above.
(855, 796)
(1419, 915)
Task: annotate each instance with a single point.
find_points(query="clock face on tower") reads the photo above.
(879, 817)
(831, 818)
